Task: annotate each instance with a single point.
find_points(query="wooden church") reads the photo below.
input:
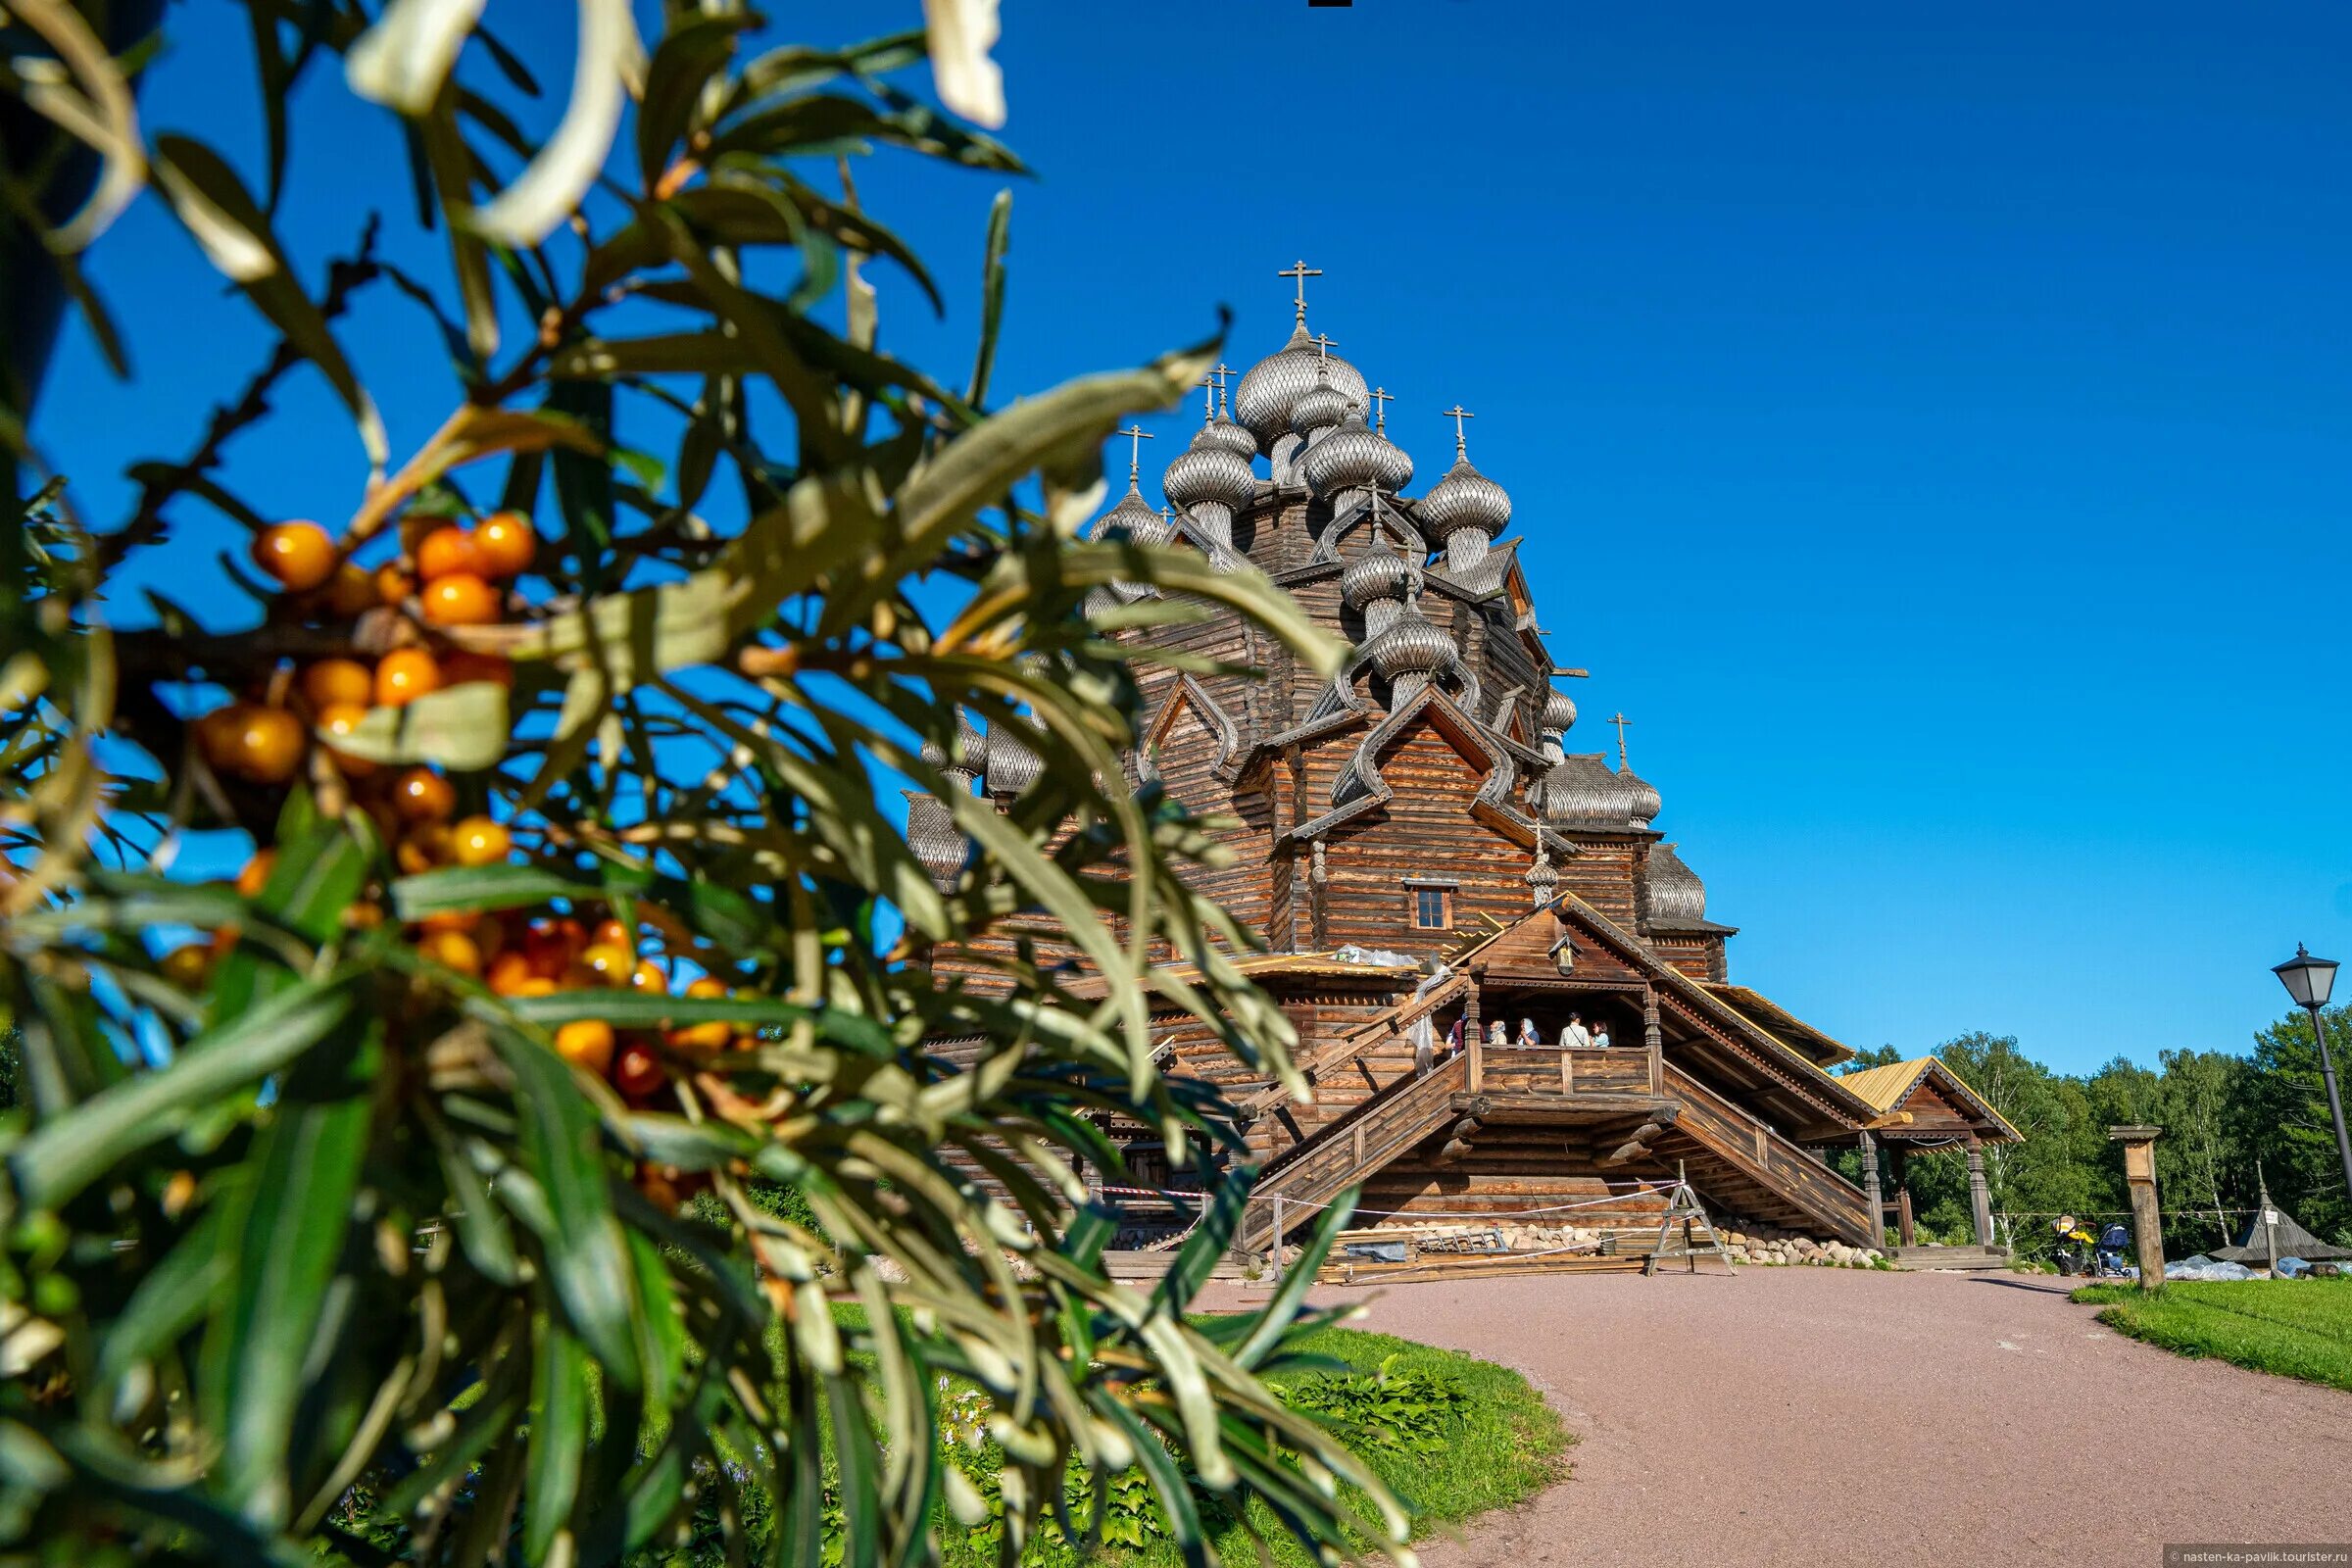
(1424, 857)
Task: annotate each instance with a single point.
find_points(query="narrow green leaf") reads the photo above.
(558, 1441)
(587, 1263)
(68, 1151)
(462, 727)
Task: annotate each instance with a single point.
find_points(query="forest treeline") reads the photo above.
(2224, 1116)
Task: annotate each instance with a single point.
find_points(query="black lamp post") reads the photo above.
(2309, 981)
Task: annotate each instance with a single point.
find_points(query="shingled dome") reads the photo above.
(1263, 402)
(1464, 499)
(1672, 893)
(1210, 471)
(1354, 457)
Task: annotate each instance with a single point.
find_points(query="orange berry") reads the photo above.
(610, 963)
(454, 949)
(537, 984)
(421, 795)
(393, 585)
(255, 876)
(299, 555)
(351, 590)
(460, 599)
(464, 664)
(586, 1042)
(339, 719)
(337, 680)
(425, 846)
(702, 1037)
(508, 972)
(404, 674)
(637, 1072)
(613, 934)
(647, 977)
(447, 551)
(478, 841)
(707, 987)
(216, 736)
(504, 545)
(267, 745)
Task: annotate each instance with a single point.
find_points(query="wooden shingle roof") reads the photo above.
(1884, 1089)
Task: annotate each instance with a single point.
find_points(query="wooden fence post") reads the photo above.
(2148, 1221)
(1278, 1232)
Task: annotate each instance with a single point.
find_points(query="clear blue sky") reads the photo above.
(1933, 433)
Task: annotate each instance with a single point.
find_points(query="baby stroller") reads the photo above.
(2112, 1243)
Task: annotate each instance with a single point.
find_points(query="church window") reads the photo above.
(1433, 908)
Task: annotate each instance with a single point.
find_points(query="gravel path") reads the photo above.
(1801, 1416)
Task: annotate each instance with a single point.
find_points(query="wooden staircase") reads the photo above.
(1737, 1161)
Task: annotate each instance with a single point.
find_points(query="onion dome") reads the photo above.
(932, 834)
(1135, 518)
(1320, 408)
(1543, 877)
(1411, 647)
(1672, 893)
(1376, 574)
(1210, 470)
(1264, 399)
(1559, 713)
(1012, 765)
(1641, 801)
(1353, 458)
(1464, 499)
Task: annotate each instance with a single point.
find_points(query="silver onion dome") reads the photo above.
(1672, 891)
(1136, 517)
(1210, 470)
(1559, 713)
(1376, 574)
(1411, 646)
(932, 834)
(1354, 457)
(1263, 400)
(1232, 437)
(1012, 765)
(1464, 499)
(1641, 801)
(1321, 407)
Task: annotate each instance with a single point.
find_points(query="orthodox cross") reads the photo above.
(1224, 376)
(1620, 720)
(1209, 396)
(1461, 442)
(1301, 272)
(1324, 344)
(1136, 435)
(1382, 398)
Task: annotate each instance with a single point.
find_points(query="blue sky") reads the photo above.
(1932, 431)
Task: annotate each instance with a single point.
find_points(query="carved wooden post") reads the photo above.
(1980, 1197)
(1654, 1038)
(1473, 1031)
(1276, 1254)
(1871, 1196)
(2147, 1220)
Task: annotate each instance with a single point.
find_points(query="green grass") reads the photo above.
(2293, 1328)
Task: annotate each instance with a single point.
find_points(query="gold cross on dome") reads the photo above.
(1621, 722)
(1301, 272)
(1461, 442)
(1382, 398)
(1136, 435)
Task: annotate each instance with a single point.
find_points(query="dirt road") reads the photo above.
(1801, 1416)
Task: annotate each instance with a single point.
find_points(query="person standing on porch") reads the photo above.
(1529, 1038)
(1498, 1037)
(1576, 1035)
(1600, 1034)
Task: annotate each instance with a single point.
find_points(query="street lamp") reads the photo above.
(2309, 981)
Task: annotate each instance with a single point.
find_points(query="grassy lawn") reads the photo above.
(2294, 1328)
(1492, 1444)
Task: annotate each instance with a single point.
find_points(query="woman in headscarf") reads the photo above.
(1498, 1037)
(1529, 1038)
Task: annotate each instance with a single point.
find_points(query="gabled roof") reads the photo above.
(1775, 1020)
(1884, 1089)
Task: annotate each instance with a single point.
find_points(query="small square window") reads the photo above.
(1433, 908)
